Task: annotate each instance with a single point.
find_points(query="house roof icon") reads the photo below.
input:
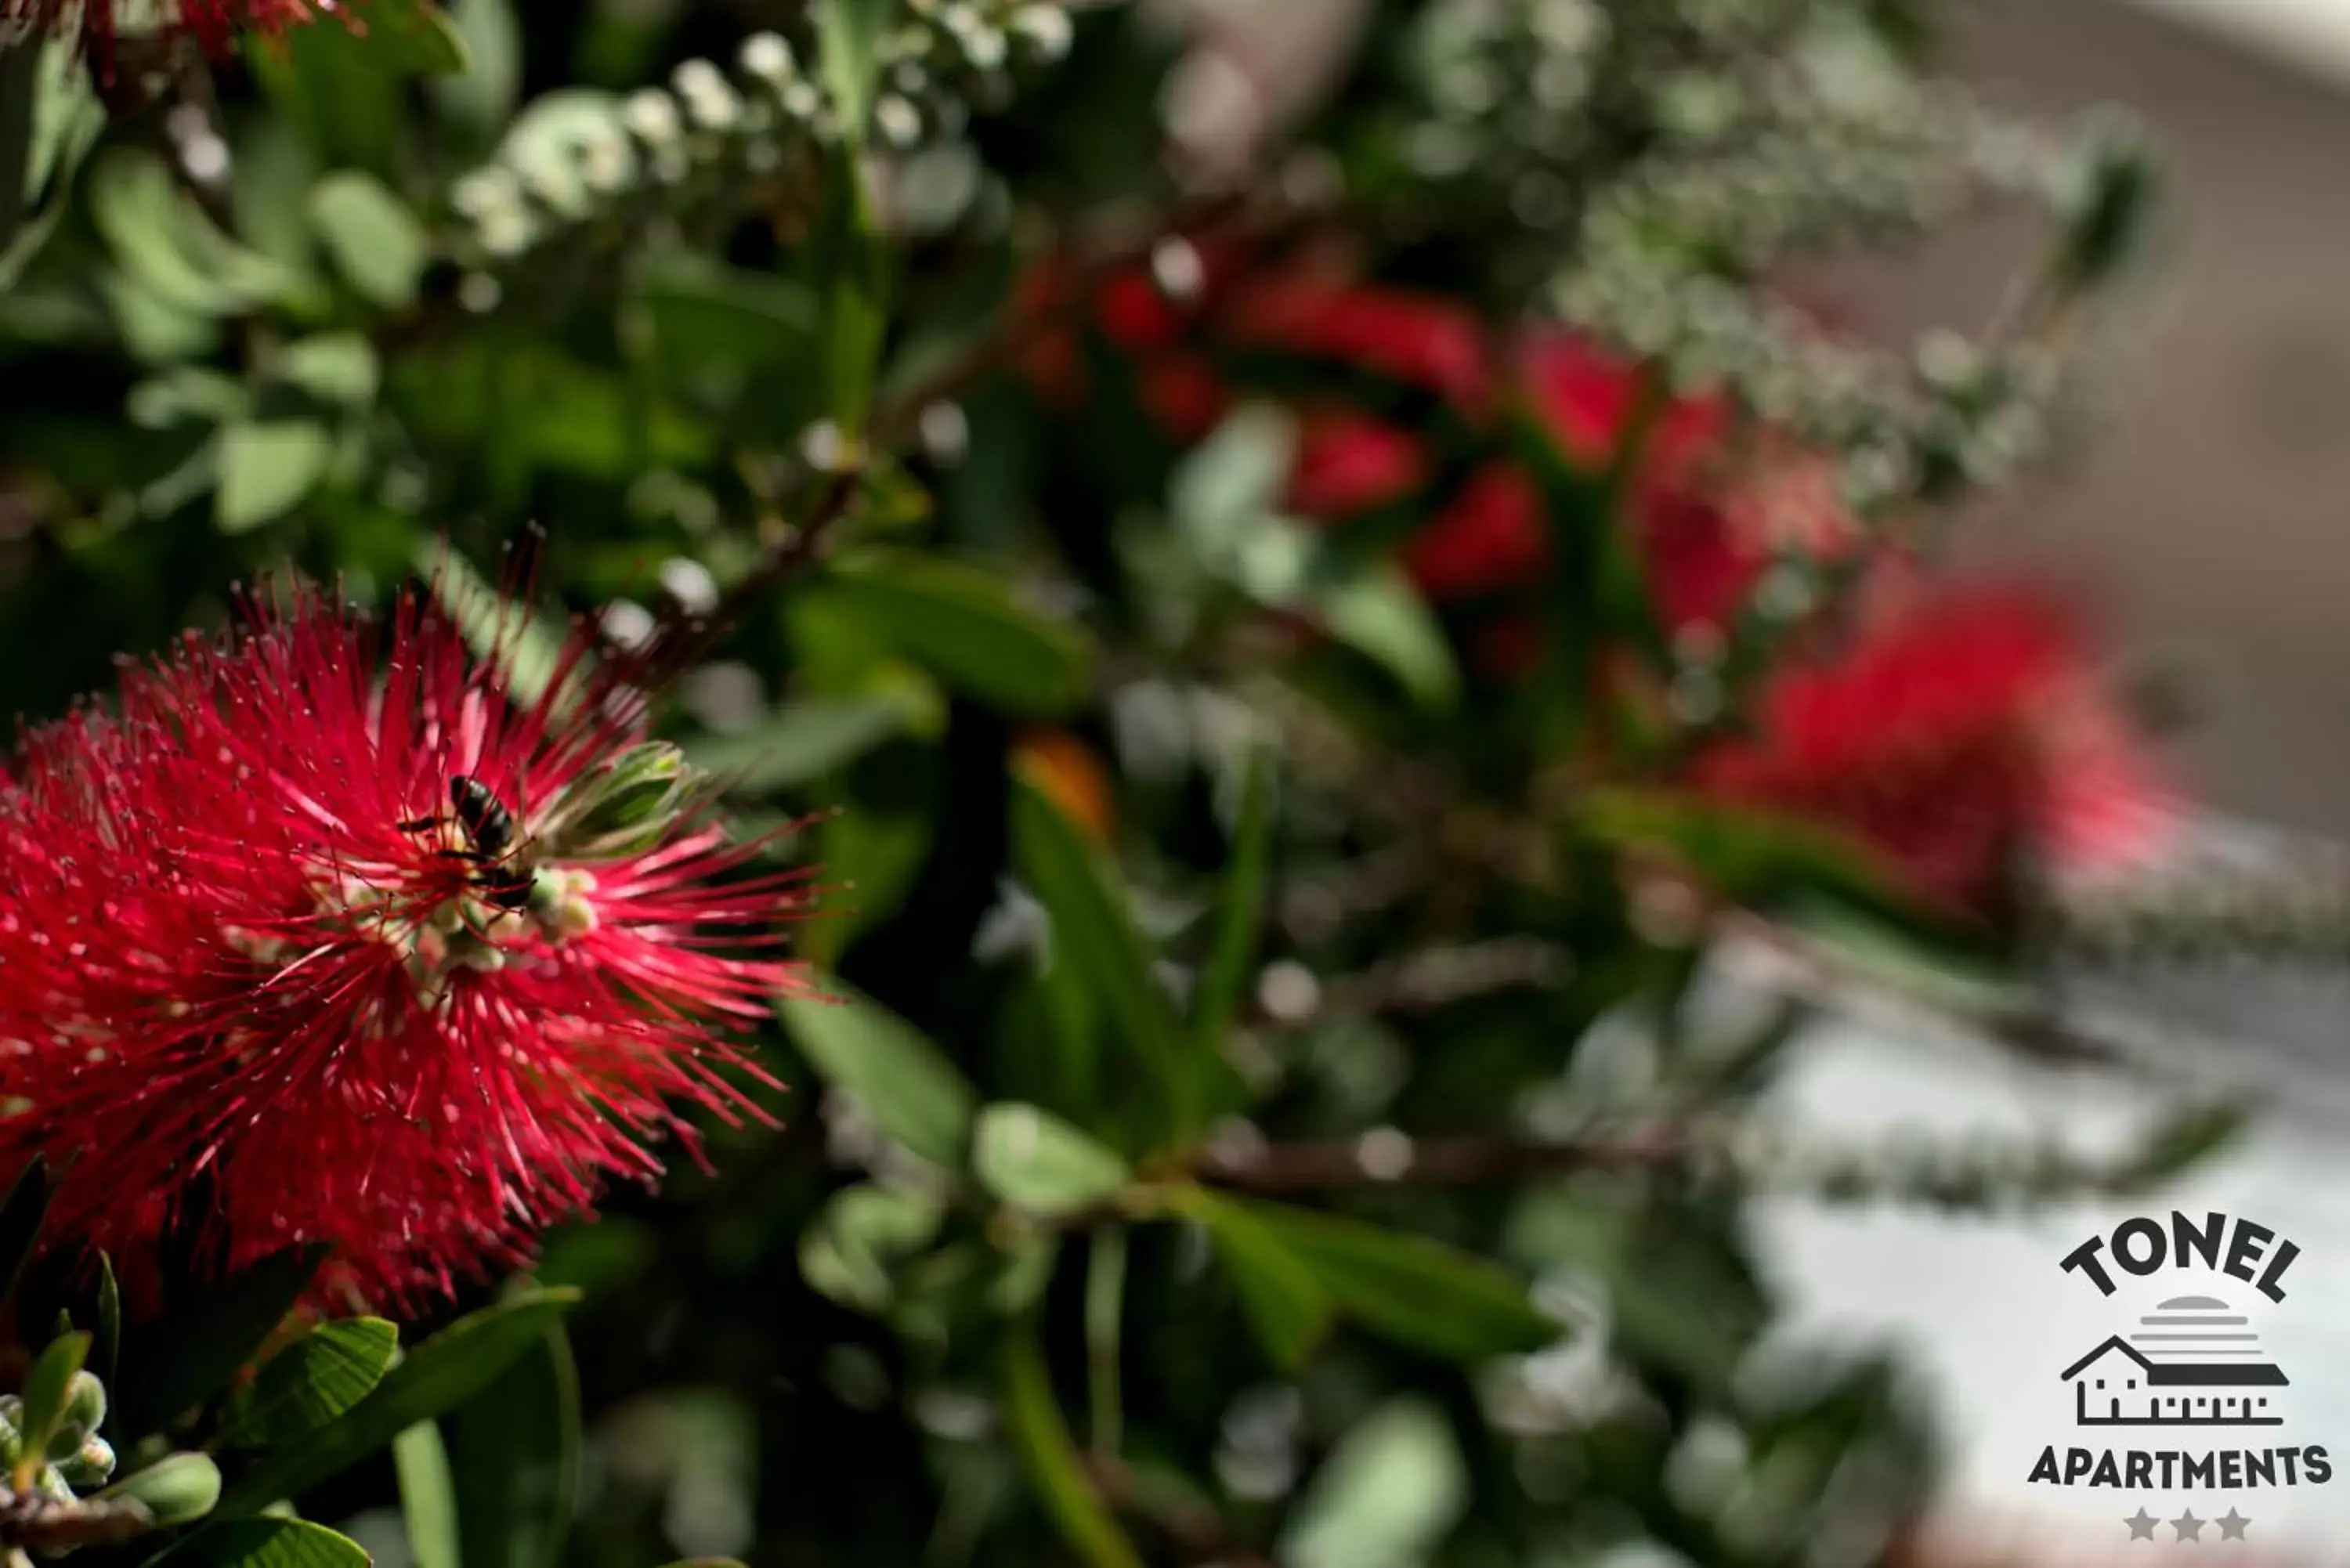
(2186, 1374)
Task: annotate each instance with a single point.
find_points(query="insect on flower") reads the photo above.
(253, 996)
(505, 880)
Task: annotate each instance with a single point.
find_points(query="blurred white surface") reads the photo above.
(2311, 35)
(1982, 1307)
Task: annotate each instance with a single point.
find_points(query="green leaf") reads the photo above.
(849, 41)
(1376, 611)
(1416, 1292)
(862, 1231)
(348, 87)
(169, 248)
(273, 1543)
(20, 95)
(1221, 495)
(726, 336)
(854, 267)
(411, 38)
(177, 1488)
(515, 1452)
(375, 242)
(528, 648)
(1225, 501)
(1287, 1307)
(177, 1361)
(336, 368)
(964, 625)
(1758, 858)
(106, 1354)
(315, 1380)
(801, 743)
(439, 1376)
(2119, 189)
(1240, 912)
(266, 470)
(21, 1213)
(1386, 1497)
(893, 1072)
(480, 99)
(47, 1387)
(65, 119)
(1036, 1161)
(1094, 932)
(428, 1496)
(1041, 1437)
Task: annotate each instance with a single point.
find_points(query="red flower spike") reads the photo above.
(214, 24)
(1350, 462)
(1961, 730)
(269, 977)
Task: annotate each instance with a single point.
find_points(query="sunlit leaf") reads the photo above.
(879, 1060)
(1036, 1161)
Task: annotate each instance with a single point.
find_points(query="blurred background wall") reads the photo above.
(2210, 517)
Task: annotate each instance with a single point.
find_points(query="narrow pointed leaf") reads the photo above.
(316, 1378)
(187, 1355)
(1240, 913)
(428, 1496)
(884, 1064)
(1041, 1437)
(1285, 1304)
(271, 1543)
(1094, 933)
(1411, 1290)
(441, 1375)
(515, 1455)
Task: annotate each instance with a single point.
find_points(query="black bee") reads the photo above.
(489, 830)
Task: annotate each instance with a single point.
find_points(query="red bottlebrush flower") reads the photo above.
(1415, 338)
(213, 24)
(327, 937)
(1183, 393)
(1709, 504)
(1489, 540)
(1964, 730)
(1349, 463)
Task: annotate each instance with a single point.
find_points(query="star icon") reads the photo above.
(2141, 1527)
(2232, 1528)
(2189, 1528)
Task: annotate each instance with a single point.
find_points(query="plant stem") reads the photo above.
(1460, 1161)
(1105, 1304)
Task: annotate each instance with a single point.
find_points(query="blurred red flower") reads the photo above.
(214, 24)
(1959, 729)
(1955, 730)
(273, 972)
(1419, 339)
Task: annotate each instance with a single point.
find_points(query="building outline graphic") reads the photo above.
(2166, 1390)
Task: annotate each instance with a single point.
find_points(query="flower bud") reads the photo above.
(176, 1488)
(88, 1466)
(623, 806)
(84, 1412)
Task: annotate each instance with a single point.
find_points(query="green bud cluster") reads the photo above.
(1642, 170)
(54, 1471)
(716, 136)
(2286, 915)
(624, 806)
(75, 1457)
